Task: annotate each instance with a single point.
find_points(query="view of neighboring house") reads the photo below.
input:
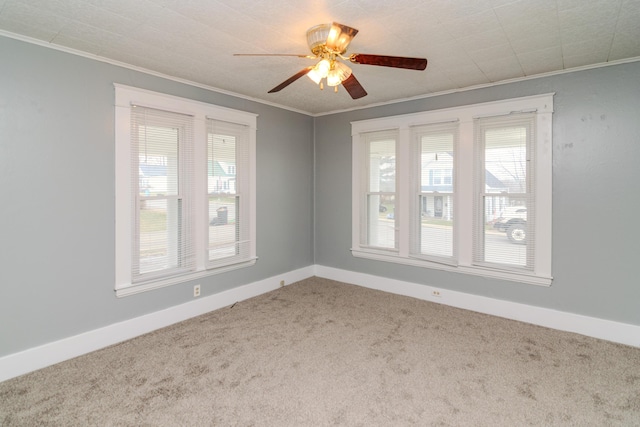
(153, 176)
(222, 177)
(437, 189)
(437, 186)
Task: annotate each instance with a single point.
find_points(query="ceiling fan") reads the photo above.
(328, 43)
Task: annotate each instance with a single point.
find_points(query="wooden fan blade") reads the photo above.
(389, 61)
(354, 88)
(291, 79)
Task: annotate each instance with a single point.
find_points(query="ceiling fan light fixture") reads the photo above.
(314, 76)
(320, 71)
(333, 79)
(328, 43)
(338, 40)
(338, 74)
(331, 37)
(317, 37)
(339, 37)
(323, 67)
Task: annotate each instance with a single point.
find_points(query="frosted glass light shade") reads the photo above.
(315, 76)
(323, 67)
(337, 40)
(320, 71)
(317, 36)
(338, 74)
(332, 37)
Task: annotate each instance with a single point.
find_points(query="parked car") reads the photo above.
(513, 221)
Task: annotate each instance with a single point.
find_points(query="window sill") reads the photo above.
(513, 276)
(132, 289)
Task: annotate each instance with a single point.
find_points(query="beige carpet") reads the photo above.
(320, 352)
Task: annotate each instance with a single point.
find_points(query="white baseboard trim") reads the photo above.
(608, 330)
(29, 360)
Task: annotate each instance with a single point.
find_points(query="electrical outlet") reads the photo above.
(281, 283)
(196, 291)
(436, 294)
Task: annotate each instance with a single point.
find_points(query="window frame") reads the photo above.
(464, 171)
(242, 189)
(366, 182)
(526, 120)
(415, 183)
(181, 198)
(125, 98)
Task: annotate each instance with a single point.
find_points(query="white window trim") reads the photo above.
(125, 97)
(465, 115)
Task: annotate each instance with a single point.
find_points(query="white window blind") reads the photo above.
(379, 201)
(227, 189)
(162, 172)
(185, 190)
(473, 189)
(505, 190)
(434, 151)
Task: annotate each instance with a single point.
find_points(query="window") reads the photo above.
(434, 151)
(504, 198)
(162, 155)
(185, 190)
(465, 189)
(228, 229)
(380, 181)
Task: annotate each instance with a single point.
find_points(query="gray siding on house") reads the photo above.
(596, 151)
(57, 209)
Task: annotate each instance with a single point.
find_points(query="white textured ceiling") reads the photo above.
(467, 42)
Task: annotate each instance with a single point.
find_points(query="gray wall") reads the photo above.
(596, 199)
(57, 204)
